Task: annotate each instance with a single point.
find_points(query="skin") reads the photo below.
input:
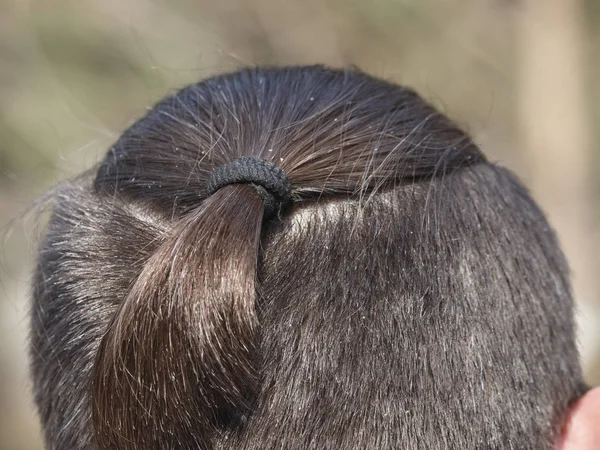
(582, 431)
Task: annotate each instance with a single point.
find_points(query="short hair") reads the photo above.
(412, 295)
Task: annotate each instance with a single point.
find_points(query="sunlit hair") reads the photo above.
(412, 295)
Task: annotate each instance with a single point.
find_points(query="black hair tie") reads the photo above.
(269, 180)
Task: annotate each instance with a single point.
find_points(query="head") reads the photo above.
(406, 292)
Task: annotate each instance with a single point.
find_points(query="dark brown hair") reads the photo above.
(412, 295)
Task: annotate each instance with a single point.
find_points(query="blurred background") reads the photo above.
(523, 76)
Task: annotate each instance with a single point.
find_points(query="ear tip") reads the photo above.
(589, 403)
(582, 432)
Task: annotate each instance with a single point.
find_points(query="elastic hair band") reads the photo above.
(269, 180)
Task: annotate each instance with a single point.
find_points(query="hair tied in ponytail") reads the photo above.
(269, 180)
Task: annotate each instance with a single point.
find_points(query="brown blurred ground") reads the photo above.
(521, 75)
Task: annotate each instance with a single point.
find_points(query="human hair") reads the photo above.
(409, 295)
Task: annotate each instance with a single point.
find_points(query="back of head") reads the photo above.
(407, 294)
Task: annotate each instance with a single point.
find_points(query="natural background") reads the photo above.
(523, 76)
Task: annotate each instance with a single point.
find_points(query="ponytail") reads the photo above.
(184, 338)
